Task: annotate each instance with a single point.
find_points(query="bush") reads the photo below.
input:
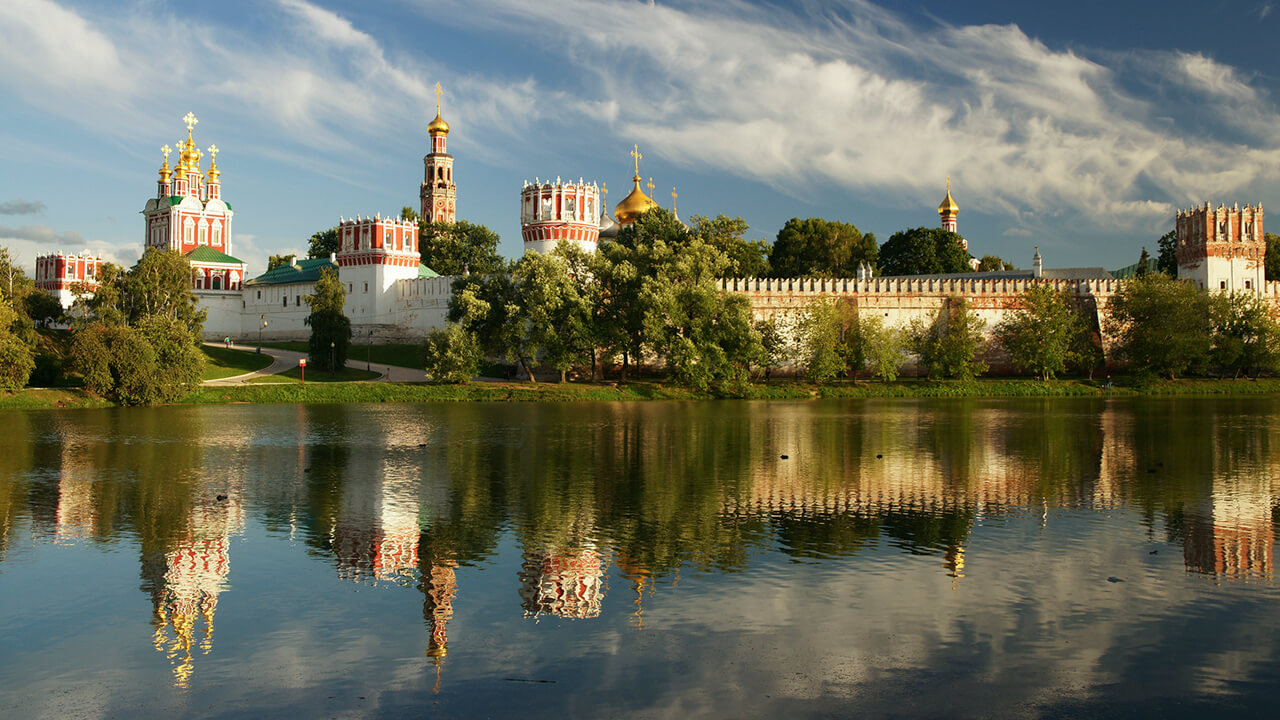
(452, 355)
(117, 363)
(179, 362)
(948, 347)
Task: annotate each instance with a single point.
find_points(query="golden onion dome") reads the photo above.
(633, 205)
(438, 126)
(948, 206)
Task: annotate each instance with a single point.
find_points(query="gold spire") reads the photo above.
(948, 206)
(165, 172)
(214, 174)
(438, 126)
(673, 199)
(637, 203)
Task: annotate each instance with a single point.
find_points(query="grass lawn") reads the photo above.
(220, 362)
(294, 375)
(409, 356)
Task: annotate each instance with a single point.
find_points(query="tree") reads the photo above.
(923, 251)
(747, 258)
(490, 307)
(948, 346)
(1161, 325)
(13, 280)
(821, 248)
(160, 284)
(16, 357)
(41, 307)
(1167, 258)
(1272, 264)
(702, 333)
(459, 248)
(1039, 333)
(885, 346)
(323, 243)
(179, 364)
(1144, 264)
(276, 261)
(993, 263)
(330, 327)
(822, 330)
(1245, 336)
(408, 213)
(777, 351)
(452, 355)
(557, 306)
(116, 362)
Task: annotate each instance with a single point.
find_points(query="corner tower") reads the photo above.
(551, 212)
(1222, 248)
(438, 194)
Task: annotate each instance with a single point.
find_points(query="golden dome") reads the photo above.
(633, 205)
(438, 126)
(948, 206)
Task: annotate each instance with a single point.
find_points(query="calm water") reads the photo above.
(958, 559)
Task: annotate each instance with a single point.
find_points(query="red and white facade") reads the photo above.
(188, 214)
(64, 275)
(375, 253)
(551, 212)
(1222, 248)
(438, 193)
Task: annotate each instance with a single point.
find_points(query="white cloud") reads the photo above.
(852, 95)
(1017, 232)
(43, 234)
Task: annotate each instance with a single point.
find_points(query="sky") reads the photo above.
(1076, 127)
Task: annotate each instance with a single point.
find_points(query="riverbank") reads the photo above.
(383, 392)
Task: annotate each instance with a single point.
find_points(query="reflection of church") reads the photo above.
(565, 583)
(185, 585)
(1231, 535)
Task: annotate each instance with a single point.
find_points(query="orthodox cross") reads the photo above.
(673, 198)
(166, 150)
(190, 120)
(213, 152)
(650, 187)
(635, 153)
(439, 92)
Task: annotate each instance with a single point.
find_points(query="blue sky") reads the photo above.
(1078, 127)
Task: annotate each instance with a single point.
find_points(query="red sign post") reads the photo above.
(302, 363)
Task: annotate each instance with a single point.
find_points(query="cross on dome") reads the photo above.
(439, 92)
(190, 120)
(635, 153)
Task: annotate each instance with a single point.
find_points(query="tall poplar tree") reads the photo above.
(330, 327)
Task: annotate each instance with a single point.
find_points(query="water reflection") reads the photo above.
(423, 498)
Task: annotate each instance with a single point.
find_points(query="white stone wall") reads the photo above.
(225, 309)
(284, 307)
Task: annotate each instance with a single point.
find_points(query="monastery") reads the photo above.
(393, 297)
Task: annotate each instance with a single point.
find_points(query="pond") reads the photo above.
(960, 558)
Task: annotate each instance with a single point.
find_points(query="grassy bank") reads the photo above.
(375, 392)
(401, 355)
(220, 362)
(314, 375)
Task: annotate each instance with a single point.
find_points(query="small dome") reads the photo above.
(633, 205)
(948, 205)
(608, 228)
(438, 126)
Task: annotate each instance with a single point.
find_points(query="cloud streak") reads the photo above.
(21, 207)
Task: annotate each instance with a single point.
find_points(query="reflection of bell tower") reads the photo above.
(439, 586)
(641, 580)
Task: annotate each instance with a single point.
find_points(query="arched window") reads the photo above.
(217, 282)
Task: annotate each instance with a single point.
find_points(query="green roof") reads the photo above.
(426, 272)
(306, 271)
(206, 254)
(174, 200)
(1129, 271)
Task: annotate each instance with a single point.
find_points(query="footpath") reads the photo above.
(282, 360)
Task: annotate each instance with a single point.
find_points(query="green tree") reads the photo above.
(702, 333)
(1245, 336)
(1167, 258)
(459, 248)
(323, 243)
(1038, 334)
(948, 346)
(40, 306)
(330, 327)
(747, 258)
(822, 329)
(1272, 263)
(993, 263)
(773, 341)
(923, 251)
(179, 364)
(160, 284)
(490, 307)
(452, 355)
(821, 248)
(276, 261)
(408, 213)
(106, 303)
(554, 294)
(117, 363)
(14, 282)
(1144, 264)
(1161, 325)
(885, 346)
(17, 359)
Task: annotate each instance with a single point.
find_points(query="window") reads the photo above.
(285, 298)
(1248, 284)
(259, 294)
(366, 287)
(297, 301)
(1222, 284)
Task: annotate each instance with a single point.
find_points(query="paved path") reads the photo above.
(282, 360)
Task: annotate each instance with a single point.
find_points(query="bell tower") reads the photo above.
(439, 194)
